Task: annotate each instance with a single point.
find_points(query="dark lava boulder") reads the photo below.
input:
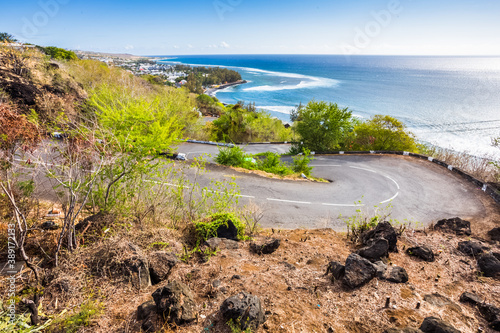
(215, 243)
(403, 330)
(175, 302)
(381, 268)
(358, 271)
(49, 225)
(337, 270)
(455, 225)
(489, 265)
(267, 247)
(382, 230)
(376, 250)
(471, 298)
(436, 325)
(471, 248)
(244, 310)
(494, 234)
(160, 265)
(145, 310)
(422, 252)
(398, 275)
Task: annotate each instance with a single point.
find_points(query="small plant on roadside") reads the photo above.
(83, 318)
(207, 228)
(235, 326)
(252, 214)
(363, 221)
(231, 156)
(301, 162)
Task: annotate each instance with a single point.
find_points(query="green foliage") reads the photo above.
(383, 133)
(235, 327)
(207, 228)
(58, 53)
(209, 105)
(228, 156)
(7, 38)
(205, 76)
(154, 79)
(83, 318)
(140, 124)
(20, 323)
(240, 123)
(321, 126)
(272, 163)
(301, 163)
(267, 162)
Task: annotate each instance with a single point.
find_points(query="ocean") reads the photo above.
(451, 102)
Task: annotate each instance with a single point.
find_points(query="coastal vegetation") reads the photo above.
(325, 127)
(268, 162)
(243, 123)
(94, 207)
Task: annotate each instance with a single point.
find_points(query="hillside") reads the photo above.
(102, 234)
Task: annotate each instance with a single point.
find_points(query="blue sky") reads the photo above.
(408, 27)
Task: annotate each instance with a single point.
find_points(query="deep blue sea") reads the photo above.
(452, 102)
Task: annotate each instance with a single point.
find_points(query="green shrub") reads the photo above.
(207, 228)
(272, 164)
(82, 318)
(231, 156)
(301, 163)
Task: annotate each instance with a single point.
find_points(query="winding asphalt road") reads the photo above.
(407, 188)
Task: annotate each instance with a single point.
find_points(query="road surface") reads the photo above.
(407, 188)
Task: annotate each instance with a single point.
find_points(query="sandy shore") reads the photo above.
(212, 91)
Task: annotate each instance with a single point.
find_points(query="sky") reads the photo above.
(191, 27)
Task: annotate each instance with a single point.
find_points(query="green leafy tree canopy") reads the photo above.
(7, 38)
(321, 126)
(384, 133)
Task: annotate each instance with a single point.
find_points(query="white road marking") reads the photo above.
(246, 196)
(325, 165)
(359, 168)
(168, 184)
(343, 205)
(395, 182)
(394, 197)
(290, 201)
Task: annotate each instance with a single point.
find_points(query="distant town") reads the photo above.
(196, 79)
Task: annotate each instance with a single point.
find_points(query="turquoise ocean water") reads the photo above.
(452, 102)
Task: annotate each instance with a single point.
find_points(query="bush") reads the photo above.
(272, 164)
(207, 228)
(231, 156)
(384, 133)
(301, 163)
(58, 53)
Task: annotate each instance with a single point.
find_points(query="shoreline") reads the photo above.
(212, 91)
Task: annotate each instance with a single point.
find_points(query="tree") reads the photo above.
(321, 126)
(7, 38)
(383, 133)
(18, 135)
(136, 129)
(58, 53)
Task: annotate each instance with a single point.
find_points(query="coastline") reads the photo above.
(213, 91)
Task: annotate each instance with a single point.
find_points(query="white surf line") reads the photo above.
(343, 205)
(290, 201)
(365, 169)
(394, 197)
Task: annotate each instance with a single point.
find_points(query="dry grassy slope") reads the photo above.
(43, 85)
(298, 298)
